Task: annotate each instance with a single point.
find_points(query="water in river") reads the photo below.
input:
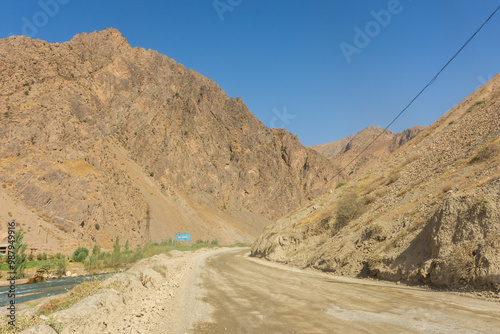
(26, 292)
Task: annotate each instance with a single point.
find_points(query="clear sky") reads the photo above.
(322, 69)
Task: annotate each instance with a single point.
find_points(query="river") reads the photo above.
(26, 292)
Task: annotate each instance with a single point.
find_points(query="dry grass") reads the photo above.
(372, 231)
(370, 188)
(25, 322)
(412, 158)
(162, 270)
(315, 217)
(481, 207)
(349, 208)
(382, 192)
(77, 167)
(485, 153)
(78, 293)
(393, 177)
(369, 199)
(145, 279)
(476, 106)
(397, 241)
(462, 262)
(447, 187)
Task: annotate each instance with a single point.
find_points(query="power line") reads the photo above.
(420, 93)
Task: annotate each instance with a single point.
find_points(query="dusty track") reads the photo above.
(254, 296)
(225, 291)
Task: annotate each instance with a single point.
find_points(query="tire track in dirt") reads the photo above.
(254, 296)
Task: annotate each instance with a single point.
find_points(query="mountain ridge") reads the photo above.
(101, 139)
(427, 215)
(349, 152)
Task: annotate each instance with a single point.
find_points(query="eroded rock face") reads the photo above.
(464, 239)
(99, 138)
(342, 152)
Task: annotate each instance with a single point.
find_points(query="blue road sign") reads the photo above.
(183, 236)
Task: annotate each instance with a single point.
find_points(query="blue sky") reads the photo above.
(284, 57)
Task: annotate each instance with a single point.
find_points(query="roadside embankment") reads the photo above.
(143, 299)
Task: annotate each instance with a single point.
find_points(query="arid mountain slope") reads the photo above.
(100, 139)
(430, 214)
(342, 152)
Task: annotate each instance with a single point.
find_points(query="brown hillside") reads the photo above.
(99, 139)
(342, 152)
(430, 214)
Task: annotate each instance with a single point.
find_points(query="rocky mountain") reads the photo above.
(99, 139)
(343, 152)
(430, 214)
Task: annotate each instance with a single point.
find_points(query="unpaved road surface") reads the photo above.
(241, 295)
(225, 291)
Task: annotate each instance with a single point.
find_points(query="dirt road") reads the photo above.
(244, 295)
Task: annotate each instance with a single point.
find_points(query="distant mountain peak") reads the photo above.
(343, 151)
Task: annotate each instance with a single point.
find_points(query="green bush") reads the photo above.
(61, 266)
(116, 245)
(96, 250)
(20, 257)
(80, 254)
(93, 264)
(50, 264)
(115, 260)
(349, 208)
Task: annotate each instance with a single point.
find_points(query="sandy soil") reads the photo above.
(225, 291)
(256, 296)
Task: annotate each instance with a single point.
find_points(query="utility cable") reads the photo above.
(342, 169)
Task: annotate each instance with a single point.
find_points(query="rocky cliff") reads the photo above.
(99, 139)
(354, 148)
(430, 214)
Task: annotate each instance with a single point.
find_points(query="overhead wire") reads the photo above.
(342, 169)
